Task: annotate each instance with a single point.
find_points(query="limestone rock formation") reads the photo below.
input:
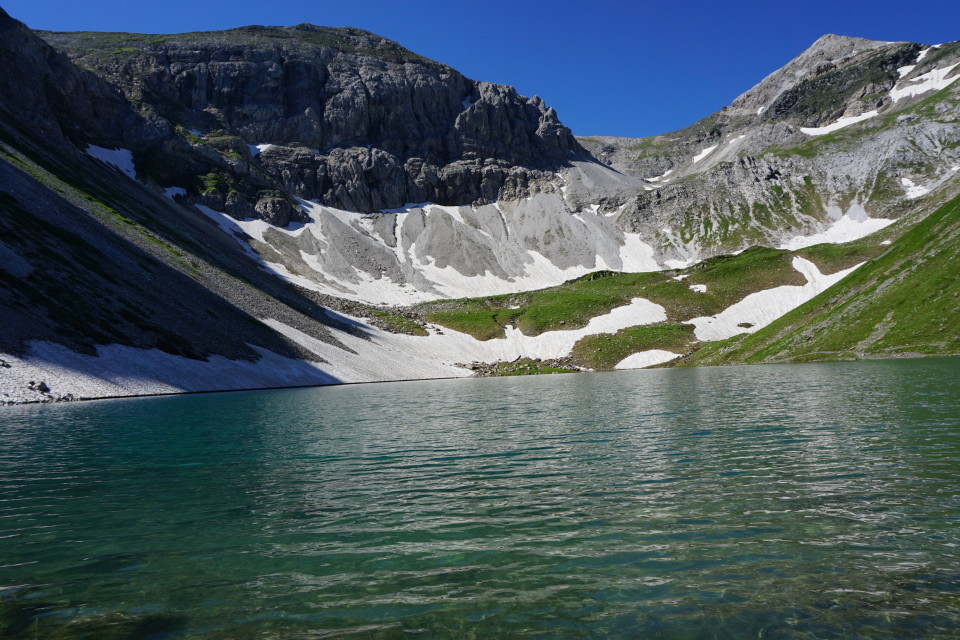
(354, 120)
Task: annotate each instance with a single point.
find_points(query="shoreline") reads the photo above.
(671, 365)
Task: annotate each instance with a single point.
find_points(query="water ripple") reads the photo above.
(807, 501)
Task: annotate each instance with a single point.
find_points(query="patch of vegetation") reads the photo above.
(482, 319)
(905, 301)
(572, 304)
(831, 258)
(95, 205)
(218, 182)
(395, 322)
(525, 367)
(605, 350)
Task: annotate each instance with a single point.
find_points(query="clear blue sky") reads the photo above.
(609, 68)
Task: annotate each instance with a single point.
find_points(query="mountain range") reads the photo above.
(281, 206)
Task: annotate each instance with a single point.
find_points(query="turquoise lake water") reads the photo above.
(800, 501)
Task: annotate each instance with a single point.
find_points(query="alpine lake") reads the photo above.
(797, 501)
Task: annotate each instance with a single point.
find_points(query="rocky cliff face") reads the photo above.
(353, 120)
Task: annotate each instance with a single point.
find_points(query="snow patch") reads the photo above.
(886, 242)
(913, 191)
(703, 154)
(681, 277)
(699, 288)
(257, 149)
(932, 81)
(905, 70)
(852, 225)
(636, 255)
(119, 370)
(759, 309)
(678, 264)
(172, 192)
(839, 124)
(646, 359)
(386, 356)
(661, 177)
(121, 159)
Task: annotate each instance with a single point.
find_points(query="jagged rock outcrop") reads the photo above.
(355, 120)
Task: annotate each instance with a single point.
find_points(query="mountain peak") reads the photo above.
(828, 50)
(832, 46)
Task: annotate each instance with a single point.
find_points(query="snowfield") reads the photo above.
(388, 356)
(839, 124)
(759, 309)
(703, 154)
(375, 357)
(849, 225)
(932, 81)
(120, 159)
(646, 359)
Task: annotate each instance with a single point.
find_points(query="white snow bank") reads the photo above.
(759, 309)
(661, 177)
(257, 149)
(839, 124)
(852, 225)
(678, 264)
(703, 154)
(387, 356)
(646, 359)
(699, 288)
(906, 69)
(119, 370)
(932, 81)
(124, 371)
(913, 191)
(886, 242)
(121, 159)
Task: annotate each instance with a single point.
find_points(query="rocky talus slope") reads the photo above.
(273, 206)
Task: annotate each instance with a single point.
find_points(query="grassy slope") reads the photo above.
(904, 302)
(728, 279)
